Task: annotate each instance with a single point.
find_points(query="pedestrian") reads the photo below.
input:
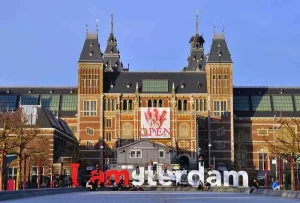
(174, 180)
(254, 186)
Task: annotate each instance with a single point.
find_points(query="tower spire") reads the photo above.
(214, 28)
(97, 25)
(112, 22)
(223, 28)
(86, 26)
(197, 13)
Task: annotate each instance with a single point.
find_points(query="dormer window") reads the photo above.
(220, 53)
(197, 45)
(91, 44)
(112, 84)
(128, 85)
(281, 91)
(106, 64)
(219, 44)
(91, 53)
(51, 91)
(112, 50)
(29, 91)
(7, 91)
(194, 57)
(182, 85)
(116, 64)
(71, 91)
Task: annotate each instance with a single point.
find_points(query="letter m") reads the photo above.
(118, 175)
(235, 177)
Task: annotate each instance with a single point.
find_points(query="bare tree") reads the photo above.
(286, 144)
(24, 138)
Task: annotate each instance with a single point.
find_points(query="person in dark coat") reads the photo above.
(254, 186)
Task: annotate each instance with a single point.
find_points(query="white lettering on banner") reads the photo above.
(165, 179)
(235, 177)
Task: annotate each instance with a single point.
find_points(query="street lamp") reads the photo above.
(102, 158)
(209, 146)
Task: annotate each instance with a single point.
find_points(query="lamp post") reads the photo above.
(209, 161)
(266, 161)
(102, 158)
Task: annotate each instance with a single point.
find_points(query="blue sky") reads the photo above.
(41, 41)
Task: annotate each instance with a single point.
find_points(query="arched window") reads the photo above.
(179, 105)
(155, 103)
(124, 105)
(149, 103)
(185, 105)
(160, 103)
(201, 104)
(130, 105)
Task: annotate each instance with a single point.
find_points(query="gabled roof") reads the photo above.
(194, 82)
(219, 52)
(91, 51)
(144, 140)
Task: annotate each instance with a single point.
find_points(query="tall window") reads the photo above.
(179, 105)
(225, 81)
(109, 105)
(155, 103)
(34, 174)
(220, 108)
(108, 123)
(201, 105)
(214, 80)
(149, 103)
(90, 131)
(185, 105)
(130, 105)
(90, 108)
(262, 160)
(160, 103)
(96, 80)
(83, 80)
(124, 105)
(108, 136)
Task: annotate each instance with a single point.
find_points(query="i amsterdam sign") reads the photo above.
(165, 179)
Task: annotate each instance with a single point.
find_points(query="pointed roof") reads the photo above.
(112, 61)
(91, 51)
(145, 140)
(219, 52)
(196, 59)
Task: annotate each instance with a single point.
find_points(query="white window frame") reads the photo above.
(90, 131)
(163, 151)
(83, 79)
(220, 104)
(135, 154)
(37, 170)
(90, 107)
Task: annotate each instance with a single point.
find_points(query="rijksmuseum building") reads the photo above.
(196, 111)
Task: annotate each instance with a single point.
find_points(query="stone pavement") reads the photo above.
(153, 197)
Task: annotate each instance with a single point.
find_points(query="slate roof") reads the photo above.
(91, 51)
(270, 91)
(46, 119)
(194, 82)
(39, 90)
(144, 140)
(219, 46)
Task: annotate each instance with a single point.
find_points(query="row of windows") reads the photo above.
(221, 131)
(155, 103)
(139, 154)
(89, 80)
(220, 108)
(220, 80)
(263, 103)
(51, 102)
(201, 105)
(90, 108)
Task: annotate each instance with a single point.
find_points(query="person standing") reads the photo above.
(174, 180)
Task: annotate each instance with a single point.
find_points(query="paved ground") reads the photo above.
(153, 197)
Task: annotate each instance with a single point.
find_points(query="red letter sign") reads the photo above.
(75, 167)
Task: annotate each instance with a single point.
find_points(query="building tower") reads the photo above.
(196, 59)
(220, 101)
(90, 89)
(112, 59)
